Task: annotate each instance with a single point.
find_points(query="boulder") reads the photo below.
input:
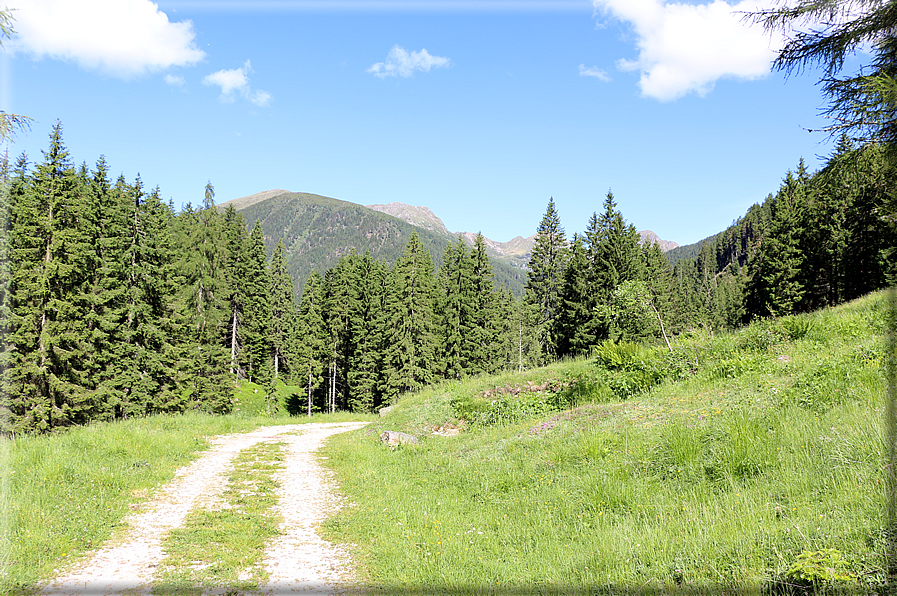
(385, 411)
(393, 438)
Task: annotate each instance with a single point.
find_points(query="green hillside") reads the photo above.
(746, 462)
(689, 251)
(318, 230)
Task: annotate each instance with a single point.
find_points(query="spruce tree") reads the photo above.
(868, 256)
(614, 257)
(777, 271)
(664, 293)
(311, 339)
(257, 355)
(481, 344)
(159, 333)
(521, 334)
(110, 362)
(203, 270)
(236, 240)
(411, 335)
(338, 283)
(50, 259)
(829, 227)
(454, 309)
(575, 322)
(545, 279)
(282, 309)
(366, 357)
(7, 199)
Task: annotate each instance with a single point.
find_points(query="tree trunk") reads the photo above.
(309, 391)
(233, 343)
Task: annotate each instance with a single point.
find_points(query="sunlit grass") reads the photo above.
(771, 449)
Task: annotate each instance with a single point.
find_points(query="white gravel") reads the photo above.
(299, 561)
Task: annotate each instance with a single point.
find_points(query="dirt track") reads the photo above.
(298, 561)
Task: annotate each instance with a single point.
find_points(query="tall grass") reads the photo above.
(758, 470)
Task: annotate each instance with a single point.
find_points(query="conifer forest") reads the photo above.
(114, 304)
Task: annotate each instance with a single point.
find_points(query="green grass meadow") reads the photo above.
(752, 462)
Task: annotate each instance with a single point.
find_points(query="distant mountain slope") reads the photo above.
(689, 251)
(258, 197)
(516, 251)
(318, 230)
(665, 245)
(421, 217)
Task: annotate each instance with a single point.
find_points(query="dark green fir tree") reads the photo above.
(545, 279)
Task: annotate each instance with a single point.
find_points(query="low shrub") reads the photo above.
(814, 571)
(629, 369)
(735, 366)
(795, 327)
(622, 355)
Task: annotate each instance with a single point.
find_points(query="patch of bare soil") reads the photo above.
(299, 561)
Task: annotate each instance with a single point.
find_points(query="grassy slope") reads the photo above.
(732, 477)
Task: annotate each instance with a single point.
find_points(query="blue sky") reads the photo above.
(480, 111)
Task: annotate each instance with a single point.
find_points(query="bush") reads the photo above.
(619, 356)
(468, 408)
(736, 366)
(814, 570)
(795, 327)
(584, 388)
(629, 369)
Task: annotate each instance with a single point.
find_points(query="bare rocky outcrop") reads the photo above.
(394, 438)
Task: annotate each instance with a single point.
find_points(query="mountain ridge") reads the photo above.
(318, 230)
(517, 249)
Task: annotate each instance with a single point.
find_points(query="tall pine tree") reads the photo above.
(411, 327)
(545, 279)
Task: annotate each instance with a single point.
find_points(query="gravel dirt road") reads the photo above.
(298, 561)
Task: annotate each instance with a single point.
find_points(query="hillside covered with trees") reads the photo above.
(115, 305)
(317, 231)
(822, 239)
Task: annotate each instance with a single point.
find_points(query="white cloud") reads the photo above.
(593, 71)
(399, 62)
(235, 81)
(174, 80)
(124, 38)
(686, 48)
(260, 98)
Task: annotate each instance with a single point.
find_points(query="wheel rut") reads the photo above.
(298, 561)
